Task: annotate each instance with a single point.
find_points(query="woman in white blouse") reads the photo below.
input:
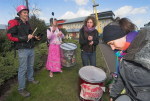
(55, 36)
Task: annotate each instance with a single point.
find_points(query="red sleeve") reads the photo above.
(12, 25)
(15, 39)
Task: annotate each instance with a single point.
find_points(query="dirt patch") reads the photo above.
(4, 88)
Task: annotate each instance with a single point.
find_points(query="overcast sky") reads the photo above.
(136, 10)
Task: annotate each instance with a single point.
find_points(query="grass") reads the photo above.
(62, 87)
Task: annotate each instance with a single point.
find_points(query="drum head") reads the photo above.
(123, 98)
(68, 46)
(92, 74)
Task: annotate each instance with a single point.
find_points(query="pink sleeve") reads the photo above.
(49, 34)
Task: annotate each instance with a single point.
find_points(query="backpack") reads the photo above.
(48, 40)
(13, 44)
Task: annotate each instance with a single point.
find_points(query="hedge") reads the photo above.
(9, 63)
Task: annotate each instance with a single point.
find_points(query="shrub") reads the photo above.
(9, 64)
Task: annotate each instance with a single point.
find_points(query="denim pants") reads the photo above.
(26, 63)
(88, 58)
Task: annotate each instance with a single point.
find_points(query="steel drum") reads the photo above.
(123, 98)
(68, 54)
(91, 83)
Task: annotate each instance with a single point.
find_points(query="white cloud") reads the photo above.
(140, 22)
(135, 14)
(44, 18)
(68, 15)
(80, 13)
(139, 10)
(81, 2)
(129, 10)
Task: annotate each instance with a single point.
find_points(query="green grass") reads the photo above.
(62, 87)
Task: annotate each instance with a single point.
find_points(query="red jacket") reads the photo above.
(18, 33)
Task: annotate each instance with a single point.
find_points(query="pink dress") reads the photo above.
(53, 60)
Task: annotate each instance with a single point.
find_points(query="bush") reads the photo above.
(71, 41)
(9, 64)
(40, 55)
(8, 67)
(5, 45)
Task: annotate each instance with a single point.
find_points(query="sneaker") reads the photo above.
(24, 93)
(34, 82)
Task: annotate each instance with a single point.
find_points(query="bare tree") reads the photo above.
(35, 11)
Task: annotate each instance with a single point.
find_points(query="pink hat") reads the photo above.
(21, 7)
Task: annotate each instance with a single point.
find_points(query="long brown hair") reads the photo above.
(92, 18)
(51, 21)
(126, 25)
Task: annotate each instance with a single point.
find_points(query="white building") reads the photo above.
(74, 25)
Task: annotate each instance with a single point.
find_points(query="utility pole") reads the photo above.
(96, 15)
(27, 7)
(27, 4)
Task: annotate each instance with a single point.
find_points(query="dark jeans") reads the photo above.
(88, 58)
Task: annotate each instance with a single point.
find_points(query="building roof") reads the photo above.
(101, 15)
(74, 20)
(72, 30)
(2, 26)
(148, 24)
(106, 14)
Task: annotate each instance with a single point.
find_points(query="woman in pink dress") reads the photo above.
(55, 36)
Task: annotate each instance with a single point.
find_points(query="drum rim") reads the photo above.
(68, 43)
(92, 81)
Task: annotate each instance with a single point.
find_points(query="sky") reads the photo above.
(138, 11)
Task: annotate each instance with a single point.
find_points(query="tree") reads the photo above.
(63, 30)
(5, 45)
(41, 26)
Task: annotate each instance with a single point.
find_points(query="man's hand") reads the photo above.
(30, 36)
(37, 37)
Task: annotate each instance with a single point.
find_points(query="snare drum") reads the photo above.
(91, 83)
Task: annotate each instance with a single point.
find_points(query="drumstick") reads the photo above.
(33, 33)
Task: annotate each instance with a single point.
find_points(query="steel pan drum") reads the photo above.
(91, 83)
(68, 54)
